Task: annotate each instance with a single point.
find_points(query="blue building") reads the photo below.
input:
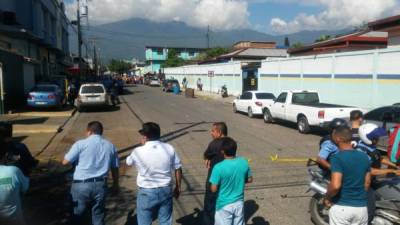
(34, 45)
(156, 56)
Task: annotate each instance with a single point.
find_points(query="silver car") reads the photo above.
(390, 114)
(92, 95)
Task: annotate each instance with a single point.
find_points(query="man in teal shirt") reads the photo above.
(12, 185)
(229, 178)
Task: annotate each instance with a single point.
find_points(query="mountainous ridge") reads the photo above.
(127, 39)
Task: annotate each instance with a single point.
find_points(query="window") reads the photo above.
(160, 51)
(92, 89)
(305, 98)
(246, 96)
(282, 98)
(44, 89)
(377, 114)
(191, 53)
(265, 96)
(396, 118)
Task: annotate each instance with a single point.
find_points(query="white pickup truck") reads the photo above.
(305, 109)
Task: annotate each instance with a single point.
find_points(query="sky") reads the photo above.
(268, 16)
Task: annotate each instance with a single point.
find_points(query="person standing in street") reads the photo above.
(356, 120)
(229, 178)
(350, 180)
(93, 158)
(155, 162)
(13, 184)
(212, 156)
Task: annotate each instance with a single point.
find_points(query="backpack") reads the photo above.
(393, 150)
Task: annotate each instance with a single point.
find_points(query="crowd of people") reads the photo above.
(348, 157)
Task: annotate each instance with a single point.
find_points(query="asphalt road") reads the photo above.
(278, 194)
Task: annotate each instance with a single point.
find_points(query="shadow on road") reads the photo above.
(250, 208)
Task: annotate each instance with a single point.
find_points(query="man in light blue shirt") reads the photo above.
(93, 158)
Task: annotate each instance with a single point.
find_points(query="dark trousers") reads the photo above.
(210, 200)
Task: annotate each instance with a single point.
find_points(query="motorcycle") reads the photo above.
(224, 91)
(387, 195)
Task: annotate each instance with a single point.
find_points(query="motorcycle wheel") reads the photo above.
(319, 213)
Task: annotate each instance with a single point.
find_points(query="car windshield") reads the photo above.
(44, 89)
(265, 96)
(92, 89)
(305, 98)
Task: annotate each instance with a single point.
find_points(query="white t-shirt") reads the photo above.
(155, 162)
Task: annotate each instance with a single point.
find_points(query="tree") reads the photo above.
(297, 45)
(323, 38)
(173, 60)
(119, 66)
(287, 43)
(212, 53)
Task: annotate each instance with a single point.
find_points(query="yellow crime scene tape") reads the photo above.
(276, 158)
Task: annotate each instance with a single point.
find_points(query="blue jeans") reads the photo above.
(89, 194)
(154, 201)
(232, 214)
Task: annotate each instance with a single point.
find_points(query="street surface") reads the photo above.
(277, 196)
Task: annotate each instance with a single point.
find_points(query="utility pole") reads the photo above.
(208, 36)
(79, 38)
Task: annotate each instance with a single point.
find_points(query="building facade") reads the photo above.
(34, 45)
(156, 56)
(391, 25)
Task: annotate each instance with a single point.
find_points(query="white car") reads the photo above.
(155, 82)
(92, 95)
(253, 102)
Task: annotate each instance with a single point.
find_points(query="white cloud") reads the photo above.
(338, 14)
(219, 14)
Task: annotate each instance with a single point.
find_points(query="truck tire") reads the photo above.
(319, 214)
(303, 125)
(267, 116)
(250, 112)
(234, 108)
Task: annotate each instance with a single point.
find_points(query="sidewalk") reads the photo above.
(37, 129)
(213, 96)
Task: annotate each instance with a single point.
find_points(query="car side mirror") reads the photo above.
(238, 97)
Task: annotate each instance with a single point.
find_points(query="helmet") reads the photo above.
(369, 132)
(336, 123)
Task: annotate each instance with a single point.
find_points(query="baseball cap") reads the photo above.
(150, 130)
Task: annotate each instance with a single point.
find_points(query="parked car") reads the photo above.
(92, 95)
(155, 82)
(305, 109)
(389, 114)
(169, 84)
(253, 102)
(46, 95)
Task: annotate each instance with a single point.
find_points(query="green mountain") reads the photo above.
(127, 39)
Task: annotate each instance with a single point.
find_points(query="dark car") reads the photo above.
(389, 114)
(169, 84)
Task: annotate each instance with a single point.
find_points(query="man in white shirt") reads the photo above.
(155, 161)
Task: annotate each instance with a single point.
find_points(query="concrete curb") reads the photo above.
(35, 129)
(47, 114)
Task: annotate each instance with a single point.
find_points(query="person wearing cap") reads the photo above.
(369, 137)
(356, 120)
(155, 162)
(93, 158)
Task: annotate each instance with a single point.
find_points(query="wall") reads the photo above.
(229, 74)
(366, 79)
